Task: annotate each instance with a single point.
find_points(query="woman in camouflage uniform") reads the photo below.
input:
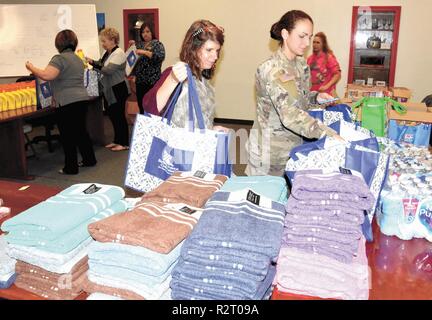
(283, 98)
(200, 50)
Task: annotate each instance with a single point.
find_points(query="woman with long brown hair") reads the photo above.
(325, 69)
(200, 50)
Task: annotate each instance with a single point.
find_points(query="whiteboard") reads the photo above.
(27, 33)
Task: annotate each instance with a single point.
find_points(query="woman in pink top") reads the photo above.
(325, 70)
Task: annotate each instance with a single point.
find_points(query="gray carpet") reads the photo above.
(110, 168)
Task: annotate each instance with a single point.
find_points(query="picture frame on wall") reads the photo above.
(134, 18)
(100, 18)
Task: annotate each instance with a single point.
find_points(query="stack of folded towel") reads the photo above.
(323, 224)
(231, 251)
(7, 266)
(135, 251)
(53, 236)
(102, 296)
(317, 275)
(157, 226)
(271, 187)
(130, 272)
(49, 285)
(192, 188)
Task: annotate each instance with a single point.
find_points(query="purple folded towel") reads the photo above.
(341, 235)
(324, 218)
(332, 207)
(333, 186)
(341, 252)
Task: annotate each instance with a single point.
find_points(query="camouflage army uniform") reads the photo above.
(283, 98)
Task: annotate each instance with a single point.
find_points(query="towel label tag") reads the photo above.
(199, 174)
(187, 210)
(92, 189)
(253, 197)
(345, 170)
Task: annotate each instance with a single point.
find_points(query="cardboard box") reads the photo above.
(355, 92)
(417, 112)
(400, 94)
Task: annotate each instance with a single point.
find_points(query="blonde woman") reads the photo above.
(115, 86)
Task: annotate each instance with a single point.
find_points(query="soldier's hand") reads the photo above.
(339, 138)
(325, 99)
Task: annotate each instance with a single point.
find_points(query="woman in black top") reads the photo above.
(148, 68)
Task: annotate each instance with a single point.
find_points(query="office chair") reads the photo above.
(428, 101)
(47, 121)
(27, 128)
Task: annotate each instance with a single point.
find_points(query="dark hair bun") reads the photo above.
(275, 31)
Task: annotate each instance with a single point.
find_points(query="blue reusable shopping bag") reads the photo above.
(222, 163)
(418, 135)
(327, 116)
(158, 149)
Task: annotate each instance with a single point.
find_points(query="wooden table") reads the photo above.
(392, 261)
(13, 160)
(19, 201)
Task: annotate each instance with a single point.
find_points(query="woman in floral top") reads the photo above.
(148, 68)
(325, 69)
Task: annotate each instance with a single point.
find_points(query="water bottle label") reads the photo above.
(410, 208)
(425, 214)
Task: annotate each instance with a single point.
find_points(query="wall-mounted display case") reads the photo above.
(374, 40)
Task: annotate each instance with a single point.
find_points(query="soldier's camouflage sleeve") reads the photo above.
(291, 116)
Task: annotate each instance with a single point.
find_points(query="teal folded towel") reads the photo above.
(67, 241)
(271, 187)
(63, 212)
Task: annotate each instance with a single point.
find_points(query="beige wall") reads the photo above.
(247, 42)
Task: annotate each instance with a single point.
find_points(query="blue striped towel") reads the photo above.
(186, 290)
(250, 262)
(240, 225)
(135, 258)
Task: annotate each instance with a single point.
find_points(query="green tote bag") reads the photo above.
(374, 113)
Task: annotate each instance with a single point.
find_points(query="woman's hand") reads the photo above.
(29, 66)
(89, 60)
(179, 72)
(131, 43)
(220, 128)
(323, 89)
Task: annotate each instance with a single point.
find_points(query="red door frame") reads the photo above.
(127, 12)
